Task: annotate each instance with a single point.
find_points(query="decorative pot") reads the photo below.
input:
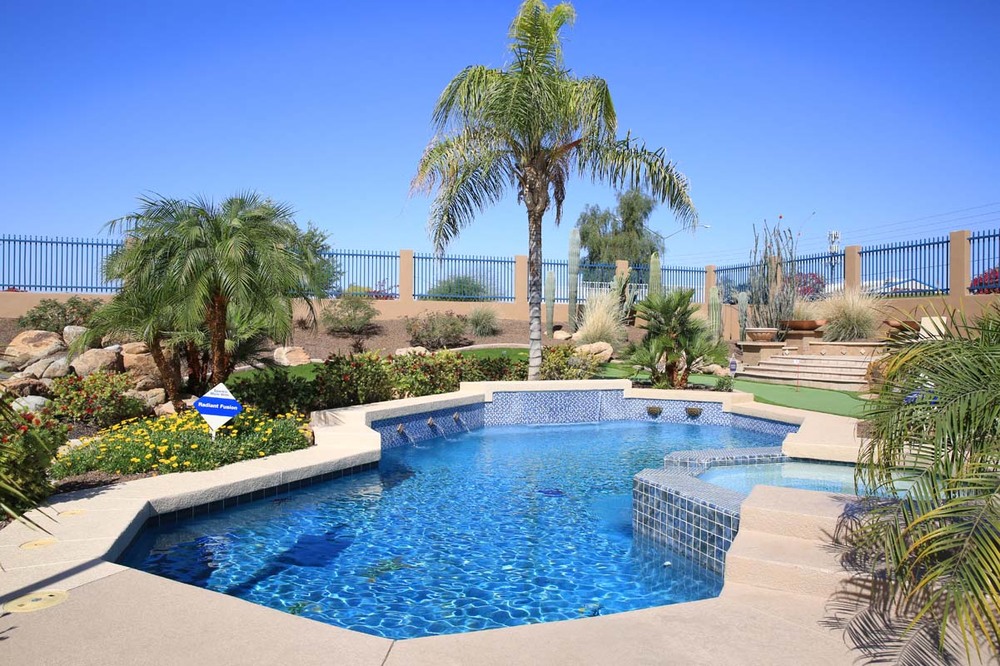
(902, 325)
(762, 334)
(693, 412)
(803, 324)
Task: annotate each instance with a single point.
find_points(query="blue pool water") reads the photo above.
(804, 475)
(494, 528)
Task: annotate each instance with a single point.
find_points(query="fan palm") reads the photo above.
(245, 252)
(935, 443)
(675, 337)
(528, 127)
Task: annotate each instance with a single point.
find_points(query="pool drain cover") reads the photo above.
(36, 601)
(37, 543)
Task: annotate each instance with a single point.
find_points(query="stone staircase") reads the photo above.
(784, 543)
(843, 373)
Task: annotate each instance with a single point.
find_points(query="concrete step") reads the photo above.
(825, 382)
(789, 564)
(791, 512)
(790, 361)
(806, 368)
(857, 360)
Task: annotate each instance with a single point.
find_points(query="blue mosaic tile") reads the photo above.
(417, 429)
(517, 407)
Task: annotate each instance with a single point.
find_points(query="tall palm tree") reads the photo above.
(935, 443)
(244, 253)
(528, 127)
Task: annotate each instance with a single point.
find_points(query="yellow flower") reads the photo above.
(261, 454)
(148, 456)
(194, 446)
(187, 463)
(135, 460)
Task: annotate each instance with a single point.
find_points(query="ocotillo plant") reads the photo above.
(572, 275)
(655, 276)
(743, 303)
(715, 312)
(550, 300)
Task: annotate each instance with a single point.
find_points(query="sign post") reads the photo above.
(217, 407)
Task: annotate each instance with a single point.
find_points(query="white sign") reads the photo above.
(218, 407)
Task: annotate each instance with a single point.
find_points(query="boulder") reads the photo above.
(27, 386)
(71, 333)
(291, 356)
(113, 348)
(406, 351)
(6, 366)
(602, 351)
(58, 368)
(135, 348)
(561, 335)
(38, 368)
(96, 360)
(31, 346)
(30, 403)
(164, 409)
(148, 382)
(151, 398)
(142, 366)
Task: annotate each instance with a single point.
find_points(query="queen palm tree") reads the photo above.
(528, 127)
(243, 255)
(935, 443)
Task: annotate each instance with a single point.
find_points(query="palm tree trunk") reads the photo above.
(217, 321)
(168, 372)
(534, 292)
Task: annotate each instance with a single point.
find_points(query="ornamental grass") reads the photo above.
(183, 442)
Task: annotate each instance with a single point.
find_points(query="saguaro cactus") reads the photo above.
(655, 275)
(715, 312)
(550, 300)
(743, 303)
(572, 276)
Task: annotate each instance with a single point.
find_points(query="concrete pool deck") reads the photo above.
(118, 615)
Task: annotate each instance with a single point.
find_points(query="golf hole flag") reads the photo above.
(217, 407)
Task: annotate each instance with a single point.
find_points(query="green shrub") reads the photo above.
(851, 315)
(352, 316)
(274, 391)
(459, 288)
(97, 399)
(562, 363)
(724, 384)
(426, 374)
(183, 442)
(26, 450)
(496, 369)
(343, 381)
(483, 322)
(53, 315)
(436, 330)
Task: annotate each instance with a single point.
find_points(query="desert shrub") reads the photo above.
(26, 449)
(483, 322)
(809, 286)
(436, 330)
(723, 384)
(562, 363)
(496, 369)
(602, 321)
(273, 391)
(98, 399)
(53, 315)
(459, 288)
(806, 311)
(357, 379)
(183, 442)
(425, 374)
(352, 316)
(851, 314)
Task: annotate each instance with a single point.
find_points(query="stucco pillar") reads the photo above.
(621, 267)
(406, 276)
(959, 263)
(521, 281)
(709, 280)
(852, 267)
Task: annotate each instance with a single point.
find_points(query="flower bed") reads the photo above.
(183, 442)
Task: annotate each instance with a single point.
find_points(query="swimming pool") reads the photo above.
(497, 527)
(826, 477)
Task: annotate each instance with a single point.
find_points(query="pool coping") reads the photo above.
(94, 526)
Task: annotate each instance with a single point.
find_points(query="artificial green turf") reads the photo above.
(516, 353)
(842, 403)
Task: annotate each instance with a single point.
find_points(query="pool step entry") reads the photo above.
(842, 373)
(785, 542)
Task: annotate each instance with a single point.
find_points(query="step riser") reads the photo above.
(792, 376)
(831, 367)
(836, 386)
(783, 576)
(832, 363)
(783, 523)
(802, 370)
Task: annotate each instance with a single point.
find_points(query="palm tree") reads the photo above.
(935, 443)
(528, 127)
(675, 337)
(244, 254)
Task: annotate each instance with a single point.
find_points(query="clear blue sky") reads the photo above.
(866, 117)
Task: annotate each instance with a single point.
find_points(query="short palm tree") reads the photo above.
(935, 442)
(244, 253)
(675, 337)
(527, 128)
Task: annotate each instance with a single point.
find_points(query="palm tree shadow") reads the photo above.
(878, 624)
(5, 633)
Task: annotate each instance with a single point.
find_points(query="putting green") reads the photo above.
(841, 403)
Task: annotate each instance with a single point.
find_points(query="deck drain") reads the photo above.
(38, 543)
(36, 601)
